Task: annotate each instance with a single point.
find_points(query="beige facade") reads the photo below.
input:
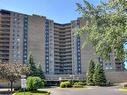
(13, 39)
(16, 38)
(36, 38)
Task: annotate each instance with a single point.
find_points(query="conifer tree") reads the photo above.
(90, 73)
(34, 69)
(32, 66)
(99, 76)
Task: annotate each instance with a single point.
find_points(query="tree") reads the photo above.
(34, 83)
(34, 69)
(99, 76)
(12, 72)
(31, 64)
(106, 27)
(90, 74)
(40, 72)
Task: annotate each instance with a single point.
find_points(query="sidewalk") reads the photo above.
(5, 89)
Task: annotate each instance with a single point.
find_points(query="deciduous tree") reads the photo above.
(106, 27)
(12, 72)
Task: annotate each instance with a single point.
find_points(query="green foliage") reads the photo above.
(78, 83)
(106, 26)
(40, 72)
(90, 73)
(78, 86)
(34, 83)
(65, 84)
(33, 93)
(34, 69)
(99, 76)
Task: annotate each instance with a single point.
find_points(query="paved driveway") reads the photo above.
(87, 91)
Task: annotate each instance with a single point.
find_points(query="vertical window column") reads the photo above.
(78, 51)
(47, 46)
(25, 41)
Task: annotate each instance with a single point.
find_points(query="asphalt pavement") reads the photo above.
(87, 91)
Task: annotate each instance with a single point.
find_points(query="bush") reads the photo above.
(34, 83)
(79, 83)
(109, 83)
(65, 84)
(78, 86)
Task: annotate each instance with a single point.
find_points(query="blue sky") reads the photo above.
(61, 11)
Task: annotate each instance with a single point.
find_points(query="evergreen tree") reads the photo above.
(99, 76)
(34, 69)
(90, 73)
(40, 72)
(32, 66)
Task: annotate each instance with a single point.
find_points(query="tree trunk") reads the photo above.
(113, 57)
(11, 86)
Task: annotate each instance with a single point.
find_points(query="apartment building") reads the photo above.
(55, 46)
(13, 37)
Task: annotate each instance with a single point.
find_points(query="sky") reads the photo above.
(61, 11)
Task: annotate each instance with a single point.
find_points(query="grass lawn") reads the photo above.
(123, 89)
(32, 93)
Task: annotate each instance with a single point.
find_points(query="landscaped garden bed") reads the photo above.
(33, 93)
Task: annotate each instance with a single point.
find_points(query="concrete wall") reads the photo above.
(116, 76)
(36, 39)
(6, 84)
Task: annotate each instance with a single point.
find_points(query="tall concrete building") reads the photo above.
(55, 46)
(13, 37)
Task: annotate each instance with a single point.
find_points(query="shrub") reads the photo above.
(65, 84)
(109, 83)
(78, 86)
(34, 83)
(79, 83)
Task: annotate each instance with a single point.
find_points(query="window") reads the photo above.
(47, 65)
(25, 56)
(18, 40)
(47, 57)
(13, 34)
(15, 19)
(13, 47)
(13, 38)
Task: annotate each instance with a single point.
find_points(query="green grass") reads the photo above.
(33, 93)
(123, 89)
